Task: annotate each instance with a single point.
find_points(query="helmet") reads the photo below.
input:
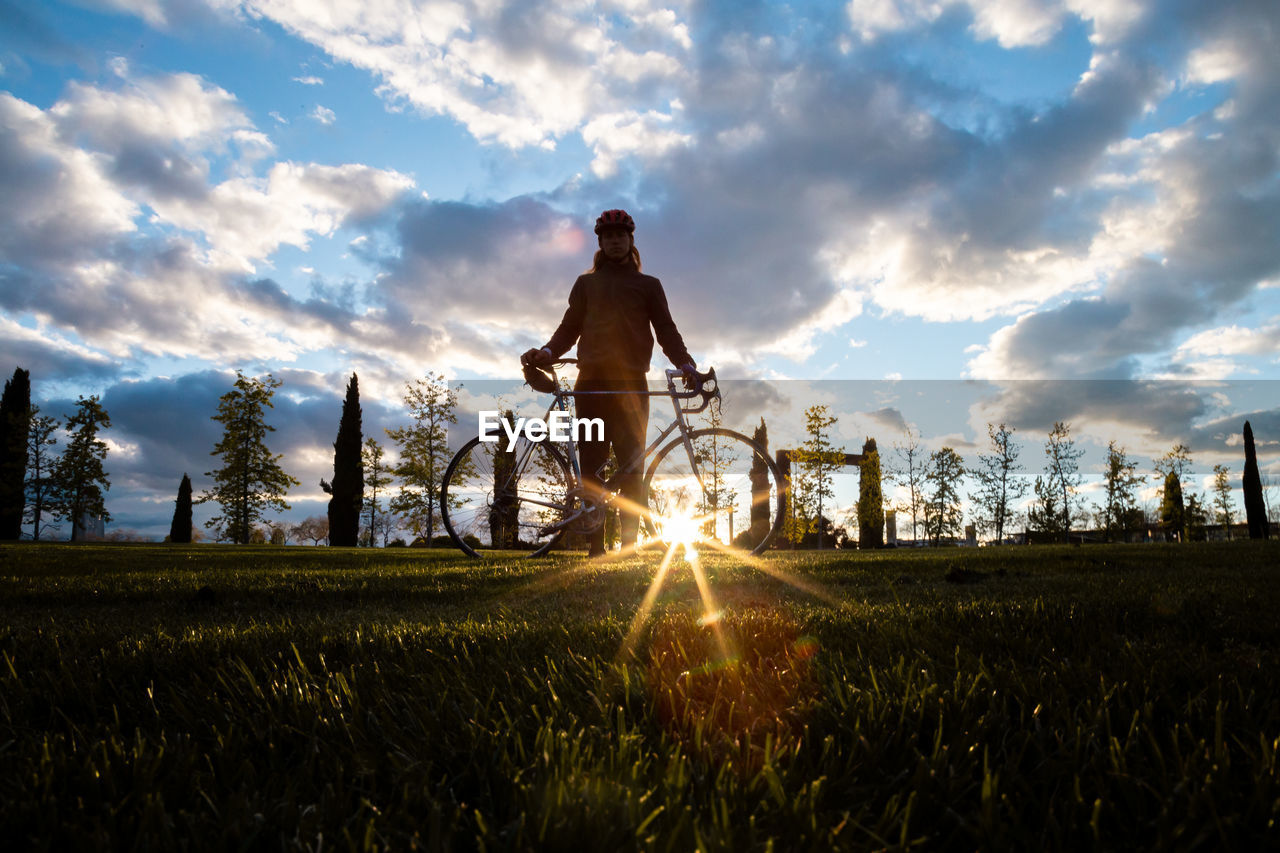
(539, 380)
(615, 219)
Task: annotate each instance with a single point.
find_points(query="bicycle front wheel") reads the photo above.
(728, 494)
(494, 501)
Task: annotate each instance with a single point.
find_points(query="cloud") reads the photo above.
(324, 115)
(309, 80)
(1011, 23)
(490, 66)
(59, 201)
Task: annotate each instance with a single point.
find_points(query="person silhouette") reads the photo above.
(611, 309)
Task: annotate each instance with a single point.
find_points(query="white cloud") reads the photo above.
(490, 69)
(324, 115)
(1012, 23)
(1232, 340)
(309, 80)
(618, 135)
(59, 201)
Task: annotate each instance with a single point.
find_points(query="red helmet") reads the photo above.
(615, 219)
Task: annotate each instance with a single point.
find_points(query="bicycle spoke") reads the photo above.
(726, 496)
(496, 500)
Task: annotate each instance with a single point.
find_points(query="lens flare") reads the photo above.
(681, 529)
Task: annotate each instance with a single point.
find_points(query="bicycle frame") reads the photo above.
(560, 402)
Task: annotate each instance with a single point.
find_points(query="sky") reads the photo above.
(1006, 195)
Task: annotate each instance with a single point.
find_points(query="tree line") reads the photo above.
(42, 488)
(933, 487)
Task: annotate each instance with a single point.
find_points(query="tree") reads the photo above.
(870, 498)
(315, 528)
(250, 479)
(1121, 480)
(348, 473)
(1173, 512)
(1255, 508)
(761, 511)
(180, 527)
(376, 477)
(1197, 517)
(1063, 469)
(1044, 515)
(79, 478)
(1222, 503)
(943, 475)
(716, 457)
(812, 467)
(15, 421)
(999, 482)
(41, 495)
(424, 453)
(1176, 461)
(910, 473)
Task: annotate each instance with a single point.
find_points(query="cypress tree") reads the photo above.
(15, 421)
(348, 473)
(759, 475)
(870, 498)
(1173, 511)
(1255, 509)
(180, 529)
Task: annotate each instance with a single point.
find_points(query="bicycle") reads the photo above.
(525, 500)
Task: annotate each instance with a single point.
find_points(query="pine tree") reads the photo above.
(812, 469)
(1044, 515)
(41, 493)
(15, 420)
(1121, 481)
(180, 529)
(1255, 508)
(348, 473)
(250, 479)
(79, 478)
(424, 453)
(870, 498)
(999, 482)
(942, 514)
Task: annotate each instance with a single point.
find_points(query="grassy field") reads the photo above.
(159, 697)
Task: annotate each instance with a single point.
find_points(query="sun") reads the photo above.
(683, 529)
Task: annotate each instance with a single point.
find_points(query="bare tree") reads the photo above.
(910, 472)
(314, 528)
(1063, 470)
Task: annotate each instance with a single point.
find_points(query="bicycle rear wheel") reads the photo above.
(494, 501)
(728, 496)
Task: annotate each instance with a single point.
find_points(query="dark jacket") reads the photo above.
(610, 312)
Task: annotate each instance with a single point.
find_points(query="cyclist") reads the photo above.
(611, 309)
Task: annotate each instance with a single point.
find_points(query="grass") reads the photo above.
(158, 697)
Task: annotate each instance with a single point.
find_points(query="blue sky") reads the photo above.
(873, 190)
